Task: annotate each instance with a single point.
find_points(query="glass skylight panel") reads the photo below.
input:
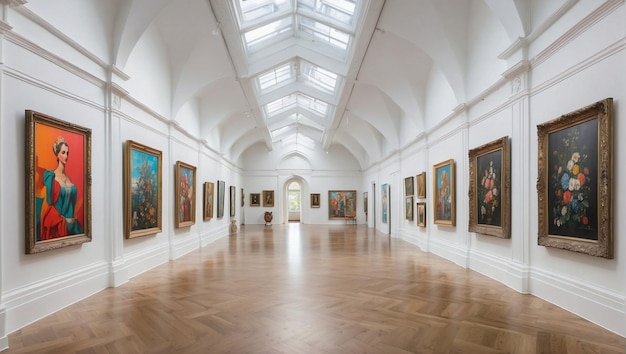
(251, 10)
(278, 76)
(341, 11)
(320, 78)
(323, 32)
(268, 34)
(279, 131)
(280, 105)
(305, 140)
(313, 104)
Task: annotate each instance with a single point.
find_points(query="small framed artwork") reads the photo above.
(233, 199)
(421, 185)
(408, 186)
(421, 214)
(243, 198)
(142, 190)
(268, 198)
(58, 187)
(575, 181)
(209, 188)
(255, 199)
(384, 191)
(185, 198)
(341, 204)
(444, 203)
(408, 205)
(315, 200)
(490, 189)
(221, 190)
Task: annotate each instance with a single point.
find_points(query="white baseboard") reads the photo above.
(32, 302)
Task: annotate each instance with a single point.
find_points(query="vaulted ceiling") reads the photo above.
(297, 76)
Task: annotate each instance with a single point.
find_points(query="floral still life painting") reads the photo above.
(574, 183)
(489, 192)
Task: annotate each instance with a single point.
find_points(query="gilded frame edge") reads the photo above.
(128, 232)
(602, 111)
(503, 231)
(452, 221)
(177, 222)
(33, 246)
(319, 200)
(420, 182)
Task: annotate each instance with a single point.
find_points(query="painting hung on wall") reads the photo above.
(142, 190)
(255, 199)
(408, 206)
(421, 185)
(444, 204)
(233, 199)
(221, 190)
(243, 198)
(185, 199)
(341, 204)
(268, 198)
(421, 214)
(315, 200)
(408, 186)
(489, 189)
(575, 181)
(365, 202)
(384, 191)
(209, 188)
(58, 187)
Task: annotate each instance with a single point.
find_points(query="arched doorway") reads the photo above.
(294, 201)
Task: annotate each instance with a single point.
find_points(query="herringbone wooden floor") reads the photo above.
(312, 289)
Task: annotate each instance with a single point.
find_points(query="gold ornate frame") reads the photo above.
(315, 200)
(130, 211)
(180, 221)
(208, 200)
(409, 188)
(268, 199)
(421, 185)
(497, 193)
(600, 224)
(255, 199)
(35, 122)
(448, 190)
(421, 214)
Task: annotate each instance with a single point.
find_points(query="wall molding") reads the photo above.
(602, 306)
(10, 72)
(29, 303)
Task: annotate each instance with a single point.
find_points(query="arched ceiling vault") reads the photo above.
(266, 70)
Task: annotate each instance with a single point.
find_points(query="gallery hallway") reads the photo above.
(298, 288)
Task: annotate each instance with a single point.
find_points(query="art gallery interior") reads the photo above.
(345, 95)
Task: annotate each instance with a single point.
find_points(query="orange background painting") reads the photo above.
(45, 160)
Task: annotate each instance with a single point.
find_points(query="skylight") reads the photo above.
(252, 10)
(296, 99)
(279, 76)
(340, 11)
(319, 78)
(268, 34)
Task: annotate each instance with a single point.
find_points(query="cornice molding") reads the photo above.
(4, 27)
(13, 3)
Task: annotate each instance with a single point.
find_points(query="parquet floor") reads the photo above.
(312, 289)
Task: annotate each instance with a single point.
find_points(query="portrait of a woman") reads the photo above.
(58, 209)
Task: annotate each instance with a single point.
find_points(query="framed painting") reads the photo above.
(408, 186)
(143, 210)
(233, 200)
(268, 198)
(185, 198)
(421, 185)
(490, 189)
(444, 203)
(58, 187)
(384, 191)
(209, 189)
(243, 198)
(421, 214)
(315, 200)
(255, 199)
(575, 181)
(341, 204)
(221, 190)
(408, 206)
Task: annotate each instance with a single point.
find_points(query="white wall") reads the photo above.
(45, 70)
(575, 62)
